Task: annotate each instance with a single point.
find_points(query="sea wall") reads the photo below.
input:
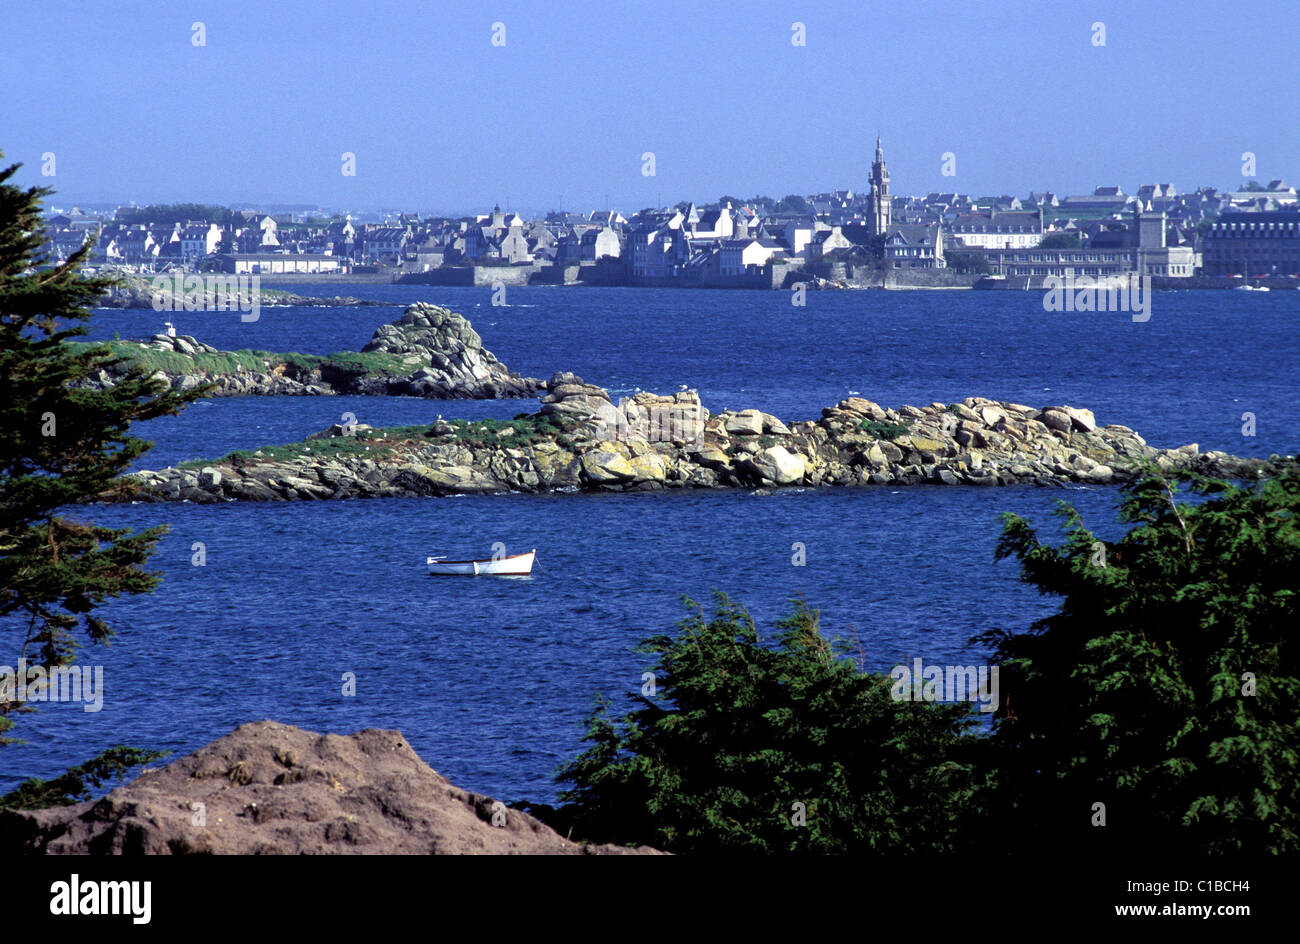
(474, 276)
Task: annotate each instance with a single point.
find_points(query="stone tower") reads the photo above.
(1149, 257)
(880, 205)
(1149, 228)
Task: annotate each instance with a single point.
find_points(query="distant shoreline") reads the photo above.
(899, 280)
(137, 293)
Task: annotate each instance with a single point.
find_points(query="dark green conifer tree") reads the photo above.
(60, 443)
(1166, 689)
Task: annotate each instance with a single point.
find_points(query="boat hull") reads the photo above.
(516, 565)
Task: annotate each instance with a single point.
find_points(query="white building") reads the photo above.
(278, 263)
(737, 255)
(996, 230)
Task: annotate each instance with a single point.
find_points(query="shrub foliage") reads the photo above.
(1158, 708)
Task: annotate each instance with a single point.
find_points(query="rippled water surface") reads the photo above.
(490, 678)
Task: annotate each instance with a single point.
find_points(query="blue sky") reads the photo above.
(440, 119)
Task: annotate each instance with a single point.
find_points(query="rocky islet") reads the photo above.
(433, 353)
(582, 441)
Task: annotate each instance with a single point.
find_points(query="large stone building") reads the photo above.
(1143, 249)
(1253, 243)
(997, 230)
(278, 263)
(1038, 262)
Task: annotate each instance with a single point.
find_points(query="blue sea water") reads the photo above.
(490, 679)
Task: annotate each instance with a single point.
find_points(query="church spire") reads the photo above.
(881, 210)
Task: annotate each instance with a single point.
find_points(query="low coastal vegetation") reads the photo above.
(526, 429)
(886, 431)
(376, 442)
(752, 745)
(202, 362)
(365, 443)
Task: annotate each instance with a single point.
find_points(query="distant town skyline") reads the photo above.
(56, 203)
(240, 104)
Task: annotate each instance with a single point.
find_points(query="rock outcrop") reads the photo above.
(567, 394)
(581, 440)
(429, 352)
(272, 788)
(457, 366)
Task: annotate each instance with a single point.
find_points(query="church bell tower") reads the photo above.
(880, 204)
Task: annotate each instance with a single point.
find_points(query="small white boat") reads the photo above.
(1250, 288)
(516, 565)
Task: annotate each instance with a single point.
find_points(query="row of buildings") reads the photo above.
(1156, 231)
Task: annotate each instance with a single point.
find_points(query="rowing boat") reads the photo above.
(513, 565)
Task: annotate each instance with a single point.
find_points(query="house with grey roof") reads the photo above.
(384, 244)
(513, 246)
(915, 246)
(1101, 199)
(998, 230)
(737, 257)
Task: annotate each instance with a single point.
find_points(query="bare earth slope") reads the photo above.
(273, 788)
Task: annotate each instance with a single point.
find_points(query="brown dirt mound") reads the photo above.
(273, 788)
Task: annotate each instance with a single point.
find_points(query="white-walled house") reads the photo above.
(798, 234)
(736, 256)
(269, 230)
(997, 230)
(197, 240)
(132, 246)
(601, 243)
(713, 224)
